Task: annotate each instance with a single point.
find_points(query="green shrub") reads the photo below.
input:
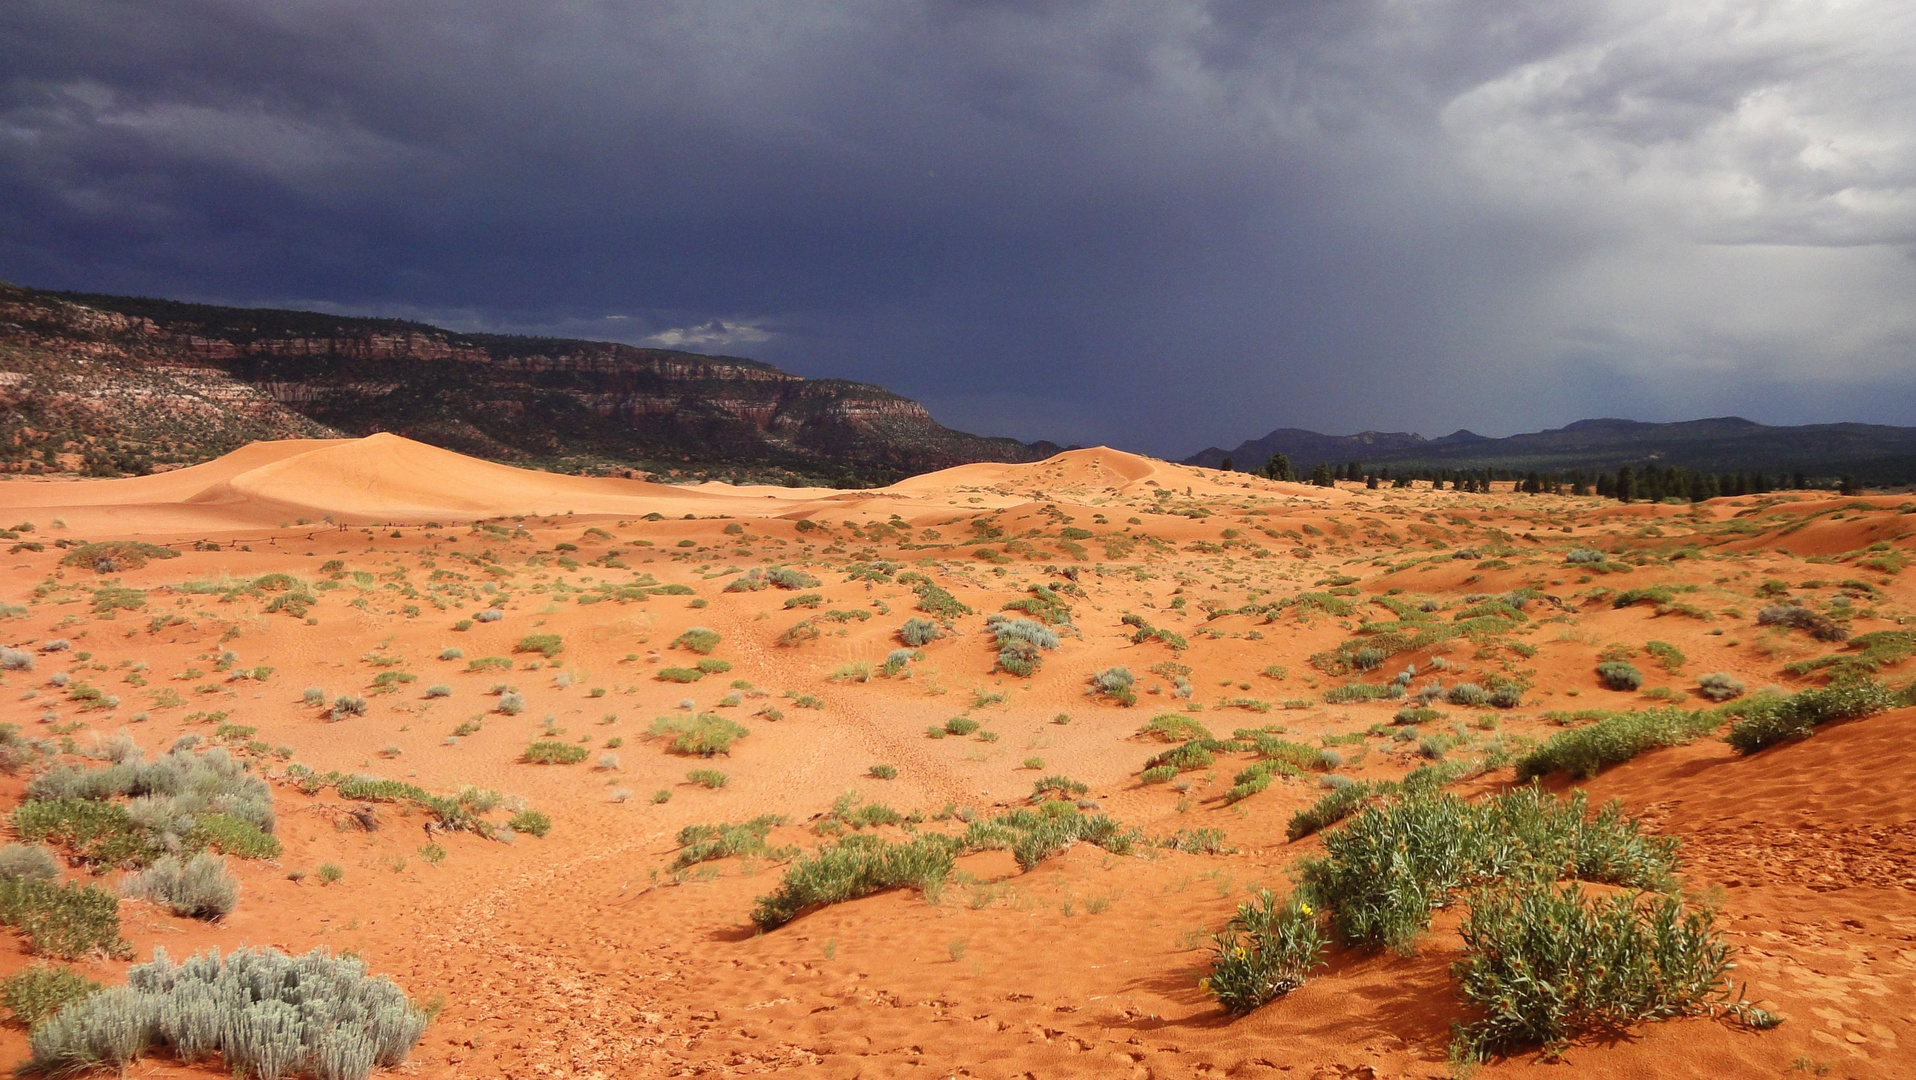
(804, 600)
(1160, 774)
(1720, 686)
(1352, 692)
(1770, 720)
(552, 752)
(1545, 964)
(531, 821)
(1174, 727)
(198, 888)
(1339, 803)
(35, 993)
(960, 725)
(1387, 866)
(938, 603)
(697, 639)
(230, 835)
(65, 921)
(703, 735)
(708, 778)
(1266, 951)
(703, 843)
(489, 663)
(264, 1013)
(1581, 752)
(1619, 675)
(883, 772)
(112, 556)
(712, 665)
(1061, 786)
(547, 645)
(858, 866)
(679, 675)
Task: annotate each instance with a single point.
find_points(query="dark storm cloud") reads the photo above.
(1155, 224)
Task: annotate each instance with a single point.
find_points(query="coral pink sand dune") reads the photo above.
(600, 950)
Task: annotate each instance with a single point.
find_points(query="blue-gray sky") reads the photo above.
(1158, 225)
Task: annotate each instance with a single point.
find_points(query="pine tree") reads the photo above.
(1279, 468)
(1228, 465)
(1321, 476)
(1626, 484)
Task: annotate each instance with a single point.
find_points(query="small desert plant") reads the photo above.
(547, 645)
(708, 778)
(511, 703)
(1770, 720)
(1267, 950)
(1619, 675)
(858, 671)
(1720, 686)
(66, 921)
(263, 1012)
(452, 654)
(883, 772)
(15, 660)
(552, 752)
(1796, 616)
(531, 821)
(703, 843)
(1581, 752)
(1062, 787)
(27, 862)
(1174, 728)
(898, 659)
(490, 615)
(704, 735)
(346, 705)
(199, 888)
(858, 866)
(1545, 964)
(960, 725)
(697, 639)
(916, 633)
(1115, 683)
(37, 992)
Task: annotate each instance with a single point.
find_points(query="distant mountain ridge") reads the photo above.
(113, 383)
(1873, 453)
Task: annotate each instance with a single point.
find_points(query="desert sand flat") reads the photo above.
(475, 610)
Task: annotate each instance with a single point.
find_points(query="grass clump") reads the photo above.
(264, 1013)
(697, 639)
(1266, 951)
(1616, 738)
(531, 821)
(679, 675)
(704, 735)
(553, 752)
(1545, 964)
(711, 779)
(1720, 686)
(1116, 683)
(1336, 805)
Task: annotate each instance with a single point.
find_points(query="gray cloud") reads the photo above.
(1152, 224)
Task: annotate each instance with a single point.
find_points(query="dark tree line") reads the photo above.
(1650, 483)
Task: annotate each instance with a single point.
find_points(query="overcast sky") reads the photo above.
(1159, 225)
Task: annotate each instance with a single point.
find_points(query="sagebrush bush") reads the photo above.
(1619, 675)
(182, 801)
(27, 862)
(1720, 686)
(1115, 683)
(1796, 616)
(15, 659)
(1545, 964)
(262, 1012)
(198, 888)
(916, 633)
(1266, 951)
(511, 703)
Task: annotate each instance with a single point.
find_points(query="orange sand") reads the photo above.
(582, 955)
